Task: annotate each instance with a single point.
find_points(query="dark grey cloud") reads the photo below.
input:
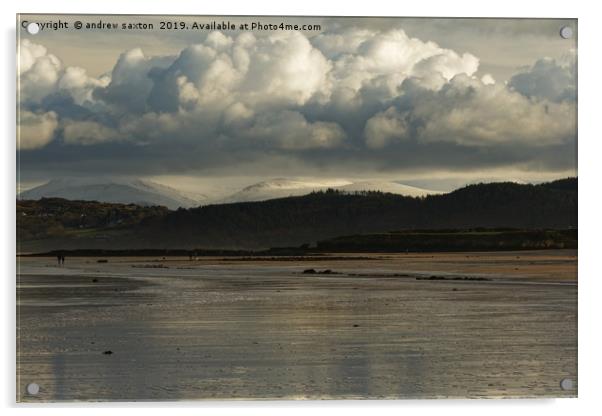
(547, 79)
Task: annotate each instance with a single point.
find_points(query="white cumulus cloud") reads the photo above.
(468, 112)
(350, 88)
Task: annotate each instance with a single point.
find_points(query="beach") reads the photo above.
(344, 326)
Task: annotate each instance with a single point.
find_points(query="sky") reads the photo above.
(436, 103)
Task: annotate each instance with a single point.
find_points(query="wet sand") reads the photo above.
(223, 328)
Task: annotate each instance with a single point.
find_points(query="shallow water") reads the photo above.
(205, 330)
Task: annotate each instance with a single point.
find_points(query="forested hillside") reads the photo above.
(294, 221)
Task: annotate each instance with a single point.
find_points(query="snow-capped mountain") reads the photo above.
(281, 188)
(387, 187)
(112, 189)
(144, 192)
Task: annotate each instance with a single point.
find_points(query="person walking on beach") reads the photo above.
(58, 259)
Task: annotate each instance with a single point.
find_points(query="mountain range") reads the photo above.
(147, 193)
(112, 189)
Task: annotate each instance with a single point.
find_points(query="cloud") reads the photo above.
(469, 112)
(487, 79)
(384, 127)
(290, 130)
(39, 72)
(282, 69)
(365, 60)
(351, 97)
(285, 68)
(42, 74)
(35, 130)
(79, 85)
(130, 82)
(547, 79)
(88, 133)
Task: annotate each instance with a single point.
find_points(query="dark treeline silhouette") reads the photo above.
(480, 239)
(307, 219)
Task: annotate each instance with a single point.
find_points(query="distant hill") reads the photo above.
(111, 190)
(294, 221)
(51, 222)
(282, 188)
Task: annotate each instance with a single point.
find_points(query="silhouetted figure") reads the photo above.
(58, 259)
(62, 260)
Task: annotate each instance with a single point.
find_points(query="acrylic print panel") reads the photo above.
(295, 208)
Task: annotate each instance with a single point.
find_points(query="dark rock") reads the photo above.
(108, 352)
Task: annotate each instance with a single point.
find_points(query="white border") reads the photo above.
(589, 197)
